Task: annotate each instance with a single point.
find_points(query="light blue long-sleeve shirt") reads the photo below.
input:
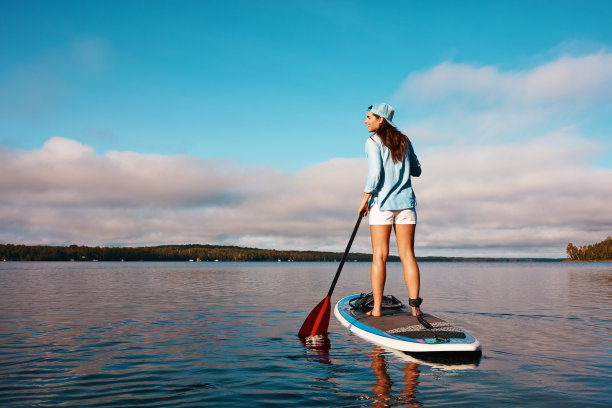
(388, 182)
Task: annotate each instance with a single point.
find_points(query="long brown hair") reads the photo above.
(396, 141)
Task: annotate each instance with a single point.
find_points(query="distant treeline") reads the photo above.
(202, 253)
(601, 251)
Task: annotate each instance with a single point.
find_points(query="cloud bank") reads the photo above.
(567, 80)
(508, 170)
(66, 193)
(529, 198)
(454, 101)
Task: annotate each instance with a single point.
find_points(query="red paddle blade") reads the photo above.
(317, 321)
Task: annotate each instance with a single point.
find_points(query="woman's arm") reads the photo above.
(375, 166)
(363, 207)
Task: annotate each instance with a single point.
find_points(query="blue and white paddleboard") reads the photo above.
(399, 330)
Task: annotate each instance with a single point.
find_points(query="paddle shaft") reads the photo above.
(346, 252)
(318, 320)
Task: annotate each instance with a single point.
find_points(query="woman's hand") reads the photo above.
(363, 207)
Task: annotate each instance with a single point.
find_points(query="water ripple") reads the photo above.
(161, 335)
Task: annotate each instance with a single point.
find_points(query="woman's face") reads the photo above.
(373, 122)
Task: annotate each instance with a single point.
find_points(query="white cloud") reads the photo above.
(66, 193)
(65, 172)
(567, 80)
(524, 198)
(484, 103)
(527, 197)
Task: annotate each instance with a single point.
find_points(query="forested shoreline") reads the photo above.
(166, 253)
(203, 253)
(600, 251)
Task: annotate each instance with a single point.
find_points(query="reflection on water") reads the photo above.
(319, 346)
(410, 363)
(382, 387)
(382, 394)
(188, 334)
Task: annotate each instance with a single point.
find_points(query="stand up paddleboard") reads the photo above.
(398, 329)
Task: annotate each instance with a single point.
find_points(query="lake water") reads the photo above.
(217, 334)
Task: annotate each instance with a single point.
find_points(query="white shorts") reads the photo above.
(391, 217)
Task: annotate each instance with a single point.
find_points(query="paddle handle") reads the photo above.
(346, 252)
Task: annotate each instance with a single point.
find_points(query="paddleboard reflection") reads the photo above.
(444, 360)
(382, 388)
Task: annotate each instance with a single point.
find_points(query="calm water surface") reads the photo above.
(200, 334)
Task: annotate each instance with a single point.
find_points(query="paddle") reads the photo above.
(317, 321)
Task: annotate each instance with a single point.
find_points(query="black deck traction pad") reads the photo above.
(401, 323)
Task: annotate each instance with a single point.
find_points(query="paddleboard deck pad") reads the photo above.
(399, 330)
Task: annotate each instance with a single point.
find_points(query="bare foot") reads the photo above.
(416, 311)
(371, 313)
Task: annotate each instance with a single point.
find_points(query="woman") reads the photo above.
(390, 202)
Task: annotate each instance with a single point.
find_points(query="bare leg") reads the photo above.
(404, 233)
(380, 252)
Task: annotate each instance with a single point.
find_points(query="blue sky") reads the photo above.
(278, 89)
